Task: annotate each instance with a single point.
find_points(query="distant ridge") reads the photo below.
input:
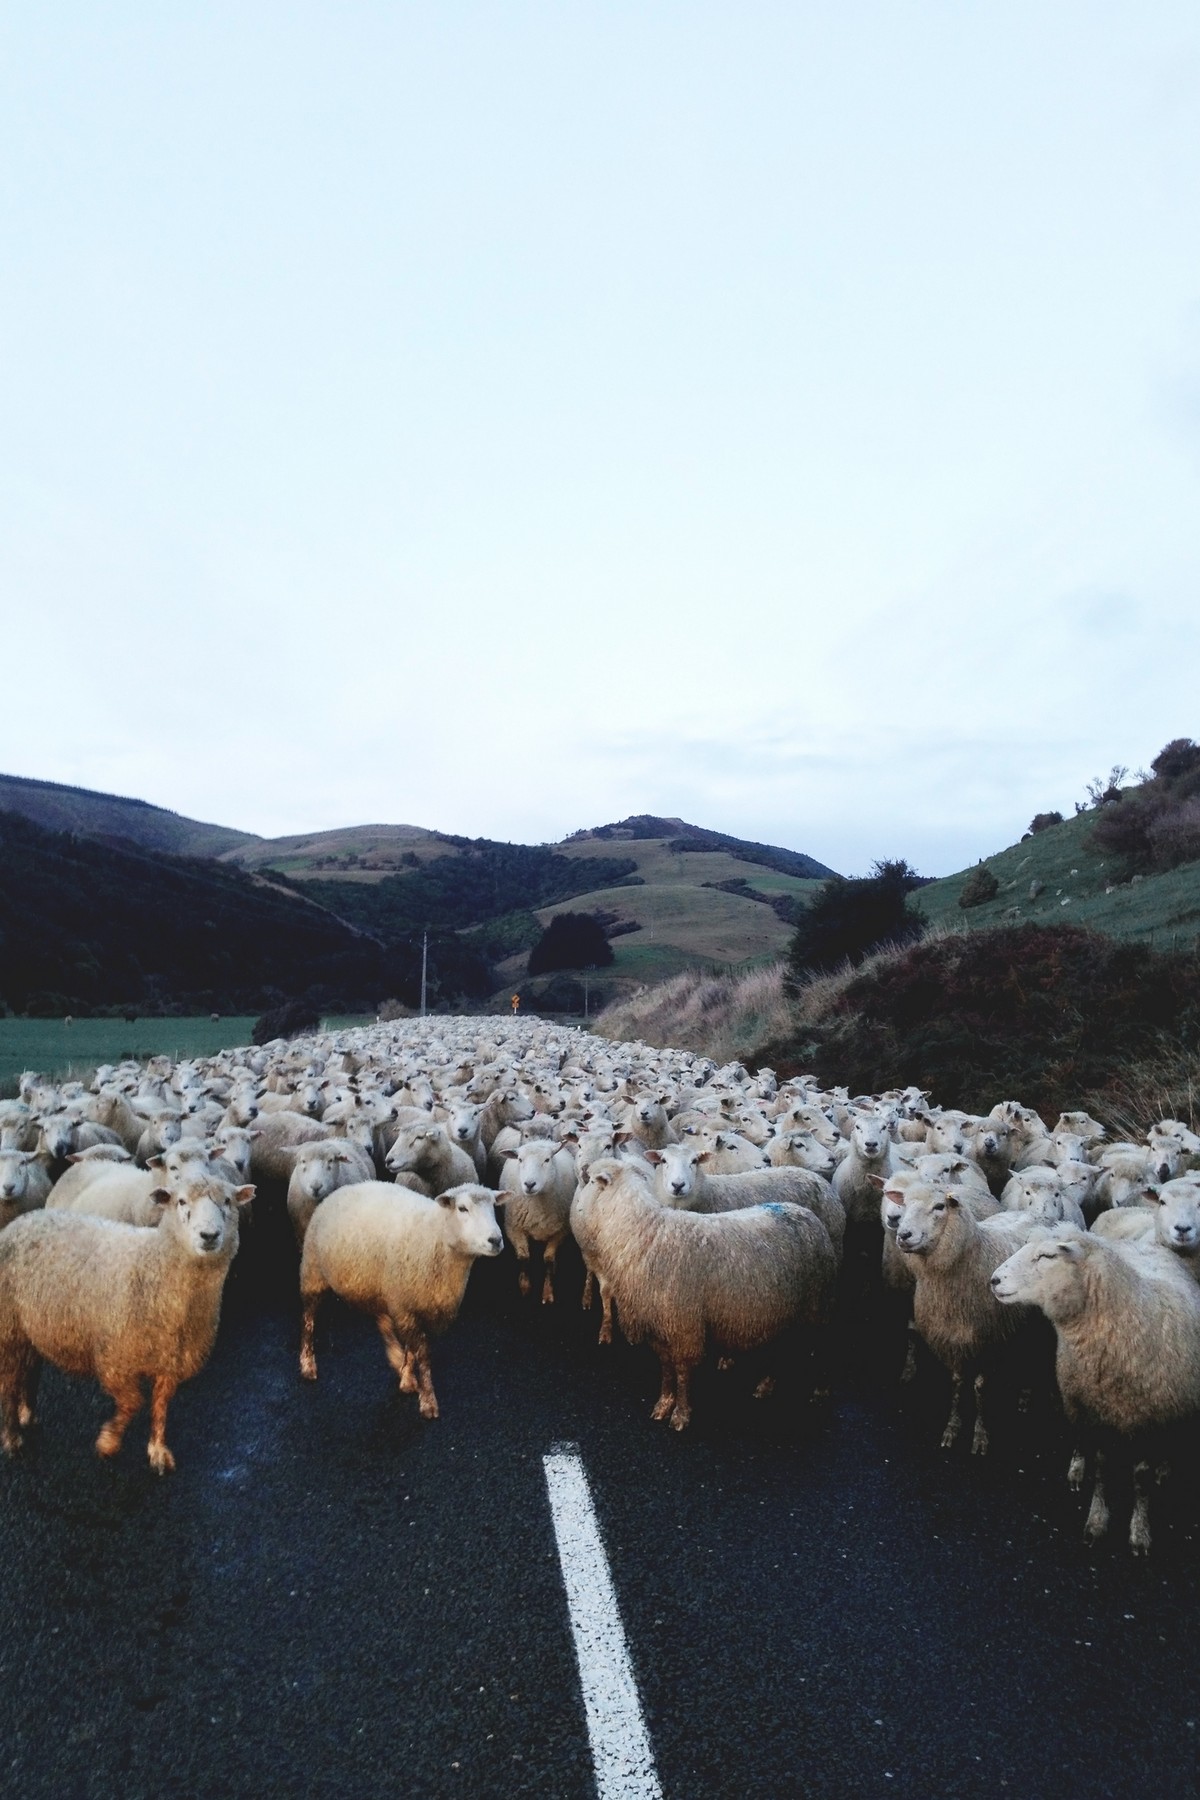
(683, 837)
(56, 806)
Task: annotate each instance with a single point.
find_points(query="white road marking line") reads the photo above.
(621, 1750)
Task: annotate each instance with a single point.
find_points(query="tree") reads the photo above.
(979, 887)
(849, 918)
(1043, 821)
(570, 941)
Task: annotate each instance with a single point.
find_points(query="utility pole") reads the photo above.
(585, 997)
(424, 968)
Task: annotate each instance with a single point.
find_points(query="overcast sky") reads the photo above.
(508, 417)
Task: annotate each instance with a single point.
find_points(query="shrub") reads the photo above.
(1043, 821)
(979, 887)
(847, 919)
(288, 1020)
(1043, 1014)
(570, 941)
(1156, 825)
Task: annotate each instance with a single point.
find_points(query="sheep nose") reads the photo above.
(529, 1186)
(677, 1187)
(996, 1282)
(210, 1239)
(496, 1242)
(906, 1237)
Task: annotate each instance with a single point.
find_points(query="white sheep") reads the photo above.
(682, 1178)
(871, 1153)
(402, 1258)
(538, 1186)
(24, 1184)
(685, 1282)
(426, 1151)
(318, 1170)
(1127, 1321)
(116, 1302)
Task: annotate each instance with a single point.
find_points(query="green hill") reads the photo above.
(112, 817)
(1079, 886)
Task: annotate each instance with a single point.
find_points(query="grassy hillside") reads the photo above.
(1080, 887)
(109, 816)
(353, 853)
(85, 925)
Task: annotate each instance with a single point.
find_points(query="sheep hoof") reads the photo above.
(1076, 1470)
(724, 1362)
(547, 1295)
(428, 1406)
(767, 1386)
(979, 1441)
(1097, 1524)
(12, 1441)
(605, 1334)
(680, 1420)
(408, 1382)
(1139, 1538)
(25, 1416)
(308, 1366)
(662, 1408)
(524, 1284)
(161, 1460)
(109, 1442)
(949, 1437)
(909, 1371)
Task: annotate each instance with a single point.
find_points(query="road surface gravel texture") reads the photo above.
(332, 1599)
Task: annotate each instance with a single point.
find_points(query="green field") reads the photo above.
(53, 1048)
(1163, 910)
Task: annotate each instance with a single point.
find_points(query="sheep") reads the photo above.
(685, 1281)
(801, 1150)
(990, 1146)
(897, 1270)
(538, 1186)
(1127, 1324)
(404, 1259)
(682, 1178)
(729, 1153)
(317, 1170)
(24, 1184)
(954, 1308)
(1126, 1169)
(1170, 1218)
(870, 1154)
(426, 1150)
(116, 1302)
(463, 1126)
(279, 1136)
(1040, 1192)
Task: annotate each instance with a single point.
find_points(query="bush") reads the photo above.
(1156, 825)
(847, 919)
(1043, 822)
(570, 941)
(289, 1020)
(979, 887)
(1042, 1014)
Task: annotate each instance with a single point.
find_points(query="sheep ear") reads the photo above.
(243, 1196)
(76, 1156)
(877, 1181)
(1152, 1194)
(155, 1162)
(703, 1156)
(601, 1178)
(954, 1201)
(653, 1156)
(161, 1196)
(446, 1200)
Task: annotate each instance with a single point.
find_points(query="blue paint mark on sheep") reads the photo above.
(773, 1206)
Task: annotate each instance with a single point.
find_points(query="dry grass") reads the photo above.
(722, 1016)
(1166, 1086)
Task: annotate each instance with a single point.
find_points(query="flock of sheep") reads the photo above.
(716, 1212)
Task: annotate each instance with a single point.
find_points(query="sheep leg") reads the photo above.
(589, 1290)
(129, 1401)
(606, 1322)
(520, 1243)
(27, 1404)
(908, 1373)
(427, 1399)
(1097, 1519)
(549, 1268)
(681, 1417)
(954, 1422)
(979, 1441)
(399, 1358)
(1077, 1468)
(665, 1404)
(308, 1330)
(161, 1460)
(1139, 1522)
(11, 1388)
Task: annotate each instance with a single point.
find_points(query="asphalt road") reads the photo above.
(332, 1598)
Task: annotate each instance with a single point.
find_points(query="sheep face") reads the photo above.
(14, 1174)
(1047, 1272)
(472, 1228)
(923, 1220)
(464, 1123)
(535, 1165)
(1179, 1218)
(204, 1219)
(870, 1138)
(677, 1166)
